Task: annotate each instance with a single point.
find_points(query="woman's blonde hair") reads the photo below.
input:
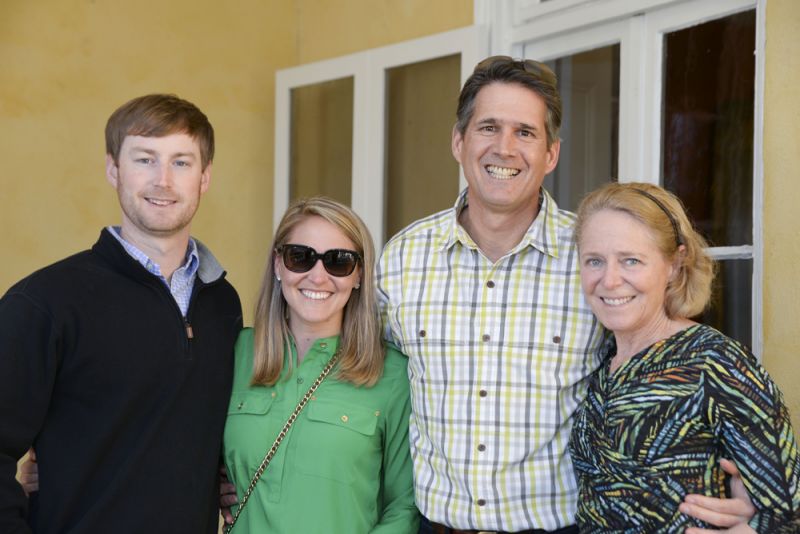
(689, 292)
(360, 346)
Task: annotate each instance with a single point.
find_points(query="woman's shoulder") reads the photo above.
(724, 358)
(246, 335)
(244, 343)
(243, 358)
(715, 345)
(394, 357)
(395, 363)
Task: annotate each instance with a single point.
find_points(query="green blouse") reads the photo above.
(345, 464)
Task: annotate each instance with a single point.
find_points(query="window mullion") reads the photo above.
(632, 103)
(740, 252)
(369, 131)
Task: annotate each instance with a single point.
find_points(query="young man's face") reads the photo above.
(159, 181)
(503, 150)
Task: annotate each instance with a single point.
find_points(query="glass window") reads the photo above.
(731, 300)
(421, 173)
(322, 140)
(707, 154)
(589, 86)
(707, 149)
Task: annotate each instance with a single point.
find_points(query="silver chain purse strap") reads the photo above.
(279, 439)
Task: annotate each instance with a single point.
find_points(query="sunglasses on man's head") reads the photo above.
(536, 68)
(301, 259)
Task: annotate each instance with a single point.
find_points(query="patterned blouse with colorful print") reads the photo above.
(655, 430)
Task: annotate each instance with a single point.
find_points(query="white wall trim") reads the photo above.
(758, 181)
(742, 252)
(604, 10)
(545, 21)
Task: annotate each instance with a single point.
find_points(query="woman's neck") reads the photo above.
(304, 339)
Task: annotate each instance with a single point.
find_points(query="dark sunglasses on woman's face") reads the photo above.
(301, 259)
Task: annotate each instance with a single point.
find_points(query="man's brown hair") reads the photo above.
(158, 115)
(528, 73)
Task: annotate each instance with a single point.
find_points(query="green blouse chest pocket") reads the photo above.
(249, 403)
(339, 441)
(247, 417)
(247, 428)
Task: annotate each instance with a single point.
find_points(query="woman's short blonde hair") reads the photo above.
(689, 292)
(360, 346)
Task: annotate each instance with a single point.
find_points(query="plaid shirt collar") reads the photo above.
(541, 235)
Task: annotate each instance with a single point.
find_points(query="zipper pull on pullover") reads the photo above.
(189, 331)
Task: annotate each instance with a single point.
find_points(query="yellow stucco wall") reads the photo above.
(67, 64)
(329, 28)
(781, 200)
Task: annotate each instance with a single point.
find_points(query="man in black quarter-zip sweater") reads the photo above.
(115, 363)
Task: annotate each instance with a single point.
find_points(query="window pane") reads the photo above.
(709, 90)
(421, 174)
(322, 140)
(731, 300)
(589, 86)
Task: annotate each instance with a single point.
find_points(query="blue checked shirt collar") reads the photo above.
(182, 281)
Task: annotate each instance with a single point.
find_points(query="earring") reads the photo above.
(357, 286)
(278, 277)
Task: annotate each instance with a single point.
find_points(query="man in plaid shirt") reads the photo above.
(485, 299)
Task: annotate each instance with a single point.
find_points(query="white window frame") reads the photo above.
(368, 69)
(547, 30)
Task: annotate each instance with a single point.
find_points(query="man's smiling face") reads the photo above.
(159, 181)
(503, 149)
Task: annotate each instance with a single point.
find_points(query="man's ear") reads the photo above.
(205, 179)
(112, 171)
(456, 142)
(552, 155)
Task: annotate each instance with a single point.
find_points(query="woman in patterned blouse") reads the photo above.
(673, 397)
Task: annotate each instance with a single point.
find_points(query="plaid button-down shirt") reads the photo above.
(499, 355)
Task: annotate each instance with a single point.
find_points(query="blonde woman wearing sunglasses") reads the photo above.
(344, 465)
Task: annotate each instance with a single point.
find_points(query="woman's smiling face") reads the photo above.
(623, 273)
(316, 299)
